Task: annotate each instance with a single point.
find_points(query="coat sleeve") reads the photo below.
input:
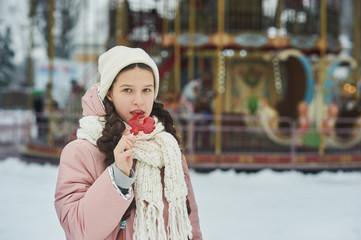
(88, 206)
(196, 231)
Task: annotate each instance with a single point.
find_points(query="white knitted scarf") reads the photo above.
(153, 152)
(90, 128)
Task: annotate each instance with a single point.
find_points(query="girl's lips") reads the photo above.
(137, 112)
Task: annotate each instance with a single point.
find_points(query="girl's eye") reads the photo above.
(127, 90)
(146, 90)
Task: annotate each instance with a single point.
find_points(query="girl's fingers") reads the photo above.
(128, 153)
(125, 143)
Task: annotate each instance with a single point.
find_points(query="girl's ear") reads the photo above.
(109, 96)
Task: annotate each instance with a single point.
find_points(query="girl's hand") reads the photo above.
(123, 154)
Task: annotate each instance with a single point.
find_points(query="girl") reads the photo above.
(113, 184)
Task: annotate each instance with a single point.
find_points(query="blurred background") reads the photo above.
(251, 84)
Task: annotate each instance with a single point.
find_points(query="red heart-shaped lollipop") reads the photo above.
(147, 126)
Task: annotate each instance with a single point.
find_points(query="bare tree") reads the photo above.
(65, 16)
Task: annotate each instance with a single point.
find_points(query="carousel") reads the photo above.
(285, 97)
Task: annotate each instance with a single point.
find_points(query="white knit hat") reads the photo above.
(115, 59)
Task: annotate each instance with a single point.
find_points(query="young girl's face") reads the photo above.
(132, 93)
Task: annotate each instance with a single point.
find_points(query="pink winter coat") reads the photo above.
(87, 203)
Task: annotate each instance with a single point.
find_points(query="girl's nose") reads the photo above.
(138, 99)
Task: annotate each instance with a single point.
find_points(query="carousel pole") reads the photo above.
(356, 40)
(191, 31)
(30, 56)
(119, 23)
(322, 72)
(51, 72)
(278, 15)
(220, 78)
(177, 51)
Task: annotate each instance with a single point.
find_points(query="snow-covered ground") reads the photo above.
(266, 205)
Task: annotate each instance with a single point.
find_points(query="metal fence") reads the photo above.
(252, 142)
(209, 141)
(15, 129)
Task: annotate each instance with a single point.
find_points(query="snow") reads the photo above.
(253, 206)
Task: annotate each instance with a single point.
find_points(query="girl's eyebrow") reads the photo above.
(130, 85)
(126, 85)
